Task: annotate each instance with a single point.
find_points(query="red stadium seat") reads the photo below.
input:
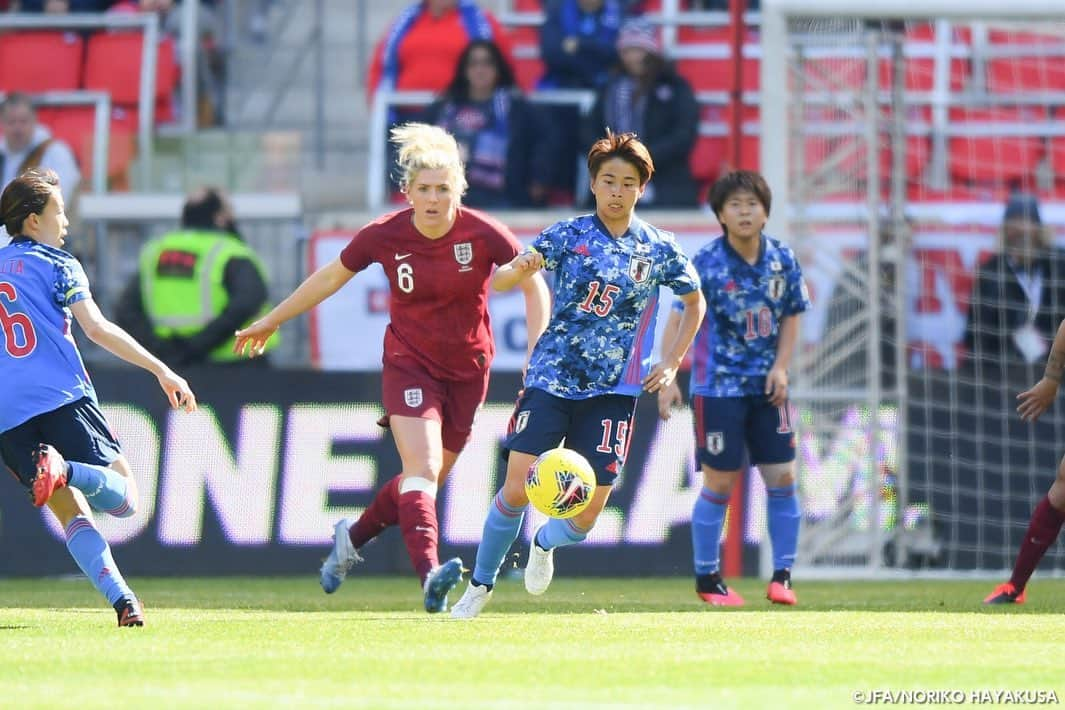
(1026, 74)
(716, 74)
(522, 35)
(1057, 158)
(997, 157)
(527, 72)
(920, 74)
(33, 62)
(74, 125)
(527, 6)
(113, 63)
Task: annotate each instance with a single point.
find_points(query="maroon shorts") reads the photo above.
(409, 391)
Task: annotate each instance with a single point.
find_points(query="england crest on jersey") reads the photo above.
(639, 268)
(464, 255)
(715, 442)
(776, 287)
(413, 396)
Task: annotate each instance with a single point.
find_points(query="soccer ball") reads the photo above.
(560, 483)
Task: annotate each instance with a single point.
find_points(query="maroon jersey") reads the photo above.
(439, 299)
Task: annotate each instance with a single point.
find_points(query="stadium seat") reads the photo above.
(524, 35)
(527, 6)
(716, 74)
(74, 125)
(920, 73)
(60, 68)
(1057, 157)
(998, 156)
(527, 72)
(1026, 74)
(113, 63)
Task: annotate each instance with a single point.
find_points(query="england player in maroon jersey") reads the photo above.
(438, 257)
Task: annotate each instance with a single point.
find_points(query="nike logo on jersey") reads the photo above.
(401, 257)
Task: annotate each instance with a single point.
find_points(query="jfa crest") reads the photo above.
(413, 396)
(639, 268)
(776, 287)
(521, 421)
(464, 255)
(715, 442)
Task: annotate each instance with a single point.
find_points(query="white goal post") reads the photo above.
(891, 187)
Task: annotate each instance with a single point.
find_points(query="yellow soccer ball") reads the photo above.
(560, 483)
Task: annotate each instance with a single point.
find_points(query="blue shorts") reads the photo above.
(598, 428)
(77, 430)
(726, 428)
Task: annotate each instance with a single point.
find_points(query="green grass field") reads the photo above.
(587, 643)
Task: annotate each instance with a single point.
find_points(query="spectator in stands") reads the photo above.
(508, 147)
(847, 310)
(196, 286)
(577, 42)
(1018, 297)
(648, 98)
(421, 48)
(27, 144)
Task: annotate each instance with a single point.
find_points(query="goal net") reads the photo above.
(894, 139)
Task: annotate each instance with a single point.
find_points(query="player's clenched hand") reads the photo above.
(669, 398)
(1037, 400)
(177, 391)
(661, 375)
(529, 261)
(776, 386)
(251, 341)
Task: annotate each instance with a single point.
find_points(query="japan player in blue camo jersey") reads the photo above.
(53, 436)
(594, 358)
(739, 381)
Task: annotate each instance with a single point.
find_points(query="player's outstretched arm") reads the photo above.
(670, 397)
(121, 344)
(537, 310)
(319, 286)
(521, 267)
(665, 372)
(776, 380)
(1035, 401)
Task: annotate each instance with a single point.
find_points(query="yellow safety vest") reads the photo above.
(182, 283)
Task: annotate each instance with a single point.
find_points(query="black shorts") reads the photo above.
(598, 428)
(77, 430)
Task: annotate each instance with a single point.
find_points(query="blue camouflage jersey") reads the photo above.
(736, 344)
(40, 366)
(601, 334)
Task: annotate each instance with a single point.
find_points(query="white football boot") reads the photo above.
(540, 568)
(472, 602)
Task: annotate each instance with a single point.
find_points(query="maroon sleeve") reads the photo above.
(505, 246)
(358, 254)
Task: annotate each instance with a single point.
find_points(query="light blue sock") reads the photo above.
(559, 533)
(708, 516)
(105, 488)
(501, 529)
(93, 555)
(783, 525)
